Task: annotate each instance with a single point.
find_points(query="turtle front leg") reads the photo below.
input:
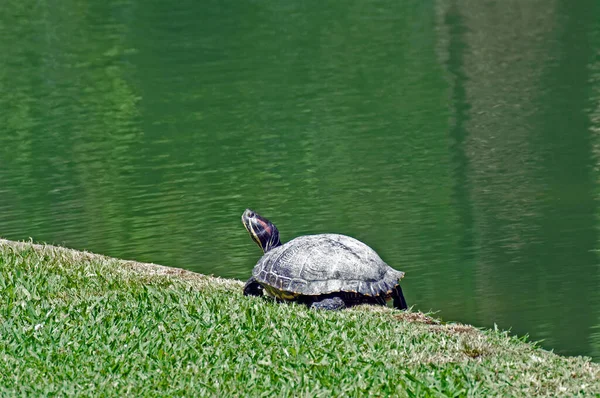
(253, 288)
(332, 303)
(399, 300)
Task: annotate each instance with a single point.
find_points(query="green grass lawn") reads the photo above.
(83, 324)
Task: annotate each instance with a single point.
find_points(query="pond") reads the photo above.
(459, 139)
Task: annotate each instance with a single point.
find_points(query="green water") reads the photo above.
(460, 139)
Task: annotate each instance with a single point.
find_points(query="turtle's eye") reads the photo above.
(251, 214)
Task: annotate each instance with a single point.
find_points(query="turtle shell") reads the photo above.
(322, 264)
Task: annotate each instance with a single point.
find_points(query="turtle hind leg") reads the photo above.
(253, 288)
(399, 300)
(330, 303)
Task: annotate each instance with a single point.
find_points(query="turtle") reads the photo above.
(324, 271)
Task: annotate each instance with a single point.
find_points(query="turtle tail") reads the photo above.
(399, 300)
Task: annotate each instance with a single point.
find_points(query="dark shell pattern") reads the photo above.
(326, 263)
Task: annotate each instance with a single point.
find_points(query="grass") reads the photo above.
(75, 323)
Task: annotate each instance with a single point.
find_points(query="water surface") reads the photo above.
(457, 138)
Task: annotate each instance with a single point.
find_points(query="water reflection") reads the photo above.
(455, 138)
(531, 169)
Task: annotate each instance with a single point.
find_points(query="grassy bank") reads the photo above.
(74, 322)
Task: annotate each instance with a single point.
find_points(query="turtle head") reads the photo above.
(261, 230)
